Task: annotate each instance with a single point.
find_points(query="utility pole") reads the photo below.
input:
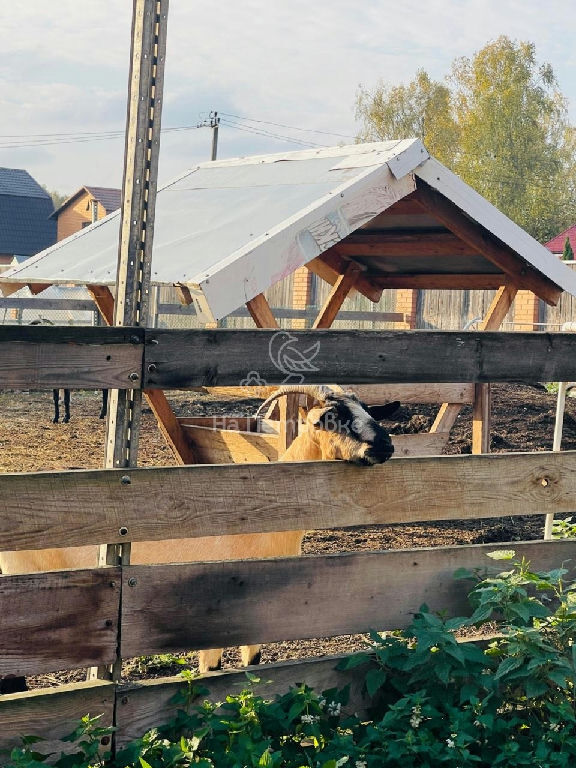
(147, 56)
(212, 121)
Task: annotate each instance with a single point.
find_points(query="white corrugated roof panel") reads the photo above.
(230, 229)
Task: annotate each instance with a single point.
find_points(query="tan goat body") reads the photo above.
(337, 426)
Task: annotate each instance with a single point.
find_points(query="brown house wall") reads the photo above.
(77, 215)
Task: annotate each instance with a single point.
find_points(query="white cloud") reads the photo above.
(297, 63)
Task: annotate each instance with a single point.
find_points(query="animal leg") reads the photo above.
(104, 410)
(66, 418)
(250, 654)
(209, 661)
(56, 398)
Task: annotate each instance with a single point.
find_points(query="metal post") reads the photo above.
(214, 123)
(148, 48)
(139, 186)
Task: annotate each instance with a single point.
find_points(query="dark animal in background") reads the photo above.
(66, 392)
(66, 402)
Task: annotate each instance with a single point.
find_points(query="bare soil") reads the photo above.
(523, 420)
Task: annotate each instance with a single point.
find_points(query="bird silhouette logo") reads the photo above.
(290, 359)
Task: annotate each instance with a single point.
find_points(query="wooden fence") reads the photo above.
(69, 619)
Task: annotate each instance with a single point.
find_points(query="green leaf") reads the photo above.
(509, 665)
(374, 680)
(502, 554)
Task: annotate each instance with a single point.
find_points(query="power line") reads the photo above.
(269, 134)
(290, 127)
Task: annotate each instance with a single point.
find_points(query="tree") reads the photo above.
(422, 108)
(516, 145)
(500, 123)
(567, 253)
(57, 197)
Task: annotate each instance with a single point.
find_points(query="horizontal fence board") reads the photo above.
(58, 620)
(81, 357)
(213, 605)
(210, 500)
(423, 444)
(147, 704)
(221, 446)
(53, 713)
(376, 394)
(45, 357)
(182, 359)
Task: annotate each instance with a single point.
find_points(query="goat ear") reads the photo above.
(318, 416)
(381, 412)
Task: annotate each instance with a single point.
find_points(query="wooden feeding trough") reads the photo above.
(364, 218)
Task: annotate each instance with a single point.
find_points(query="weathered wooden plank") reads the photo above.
(214, 605)
(58, 620)
(182, 359)
(227, 446)
(210, 500)
(53, 713)
(82, 305)
(423, 444)
(371, 394)
(147, 704)
(377, 394)
(47, 357)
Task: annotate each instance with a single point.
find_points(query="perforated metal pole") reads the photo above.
(132, 298)
(139, 186)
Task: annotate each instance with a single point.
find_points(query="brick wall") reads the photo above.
(525, 311)
(302, 279)
(406, 299)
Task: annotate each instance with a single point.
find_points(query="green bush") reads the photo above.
(434, 701)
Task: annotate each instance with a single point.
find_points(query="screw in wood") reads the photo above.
(133, 376)
(132, 581)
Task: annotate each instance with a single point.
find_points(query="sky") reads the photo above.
(291, 68)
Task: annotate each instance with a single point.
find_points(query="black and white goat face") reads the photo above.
(346, 429)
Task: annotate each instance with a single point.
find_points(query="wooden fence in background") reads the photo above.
(70, 619)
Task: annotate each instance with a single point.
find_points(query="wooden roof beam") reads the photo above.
(331, 264)
(476, 236)
(480, 282)
(395, 243)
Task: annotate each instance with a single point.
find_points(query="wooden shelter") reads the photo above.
(364, 218)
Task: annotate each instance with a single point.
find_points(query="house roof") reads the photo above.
(556, 245)
(109, 198)
(25, 208)
(228, 230)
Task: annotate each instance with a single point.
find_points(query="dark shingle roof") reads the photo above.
(108, 197)
(25, 226)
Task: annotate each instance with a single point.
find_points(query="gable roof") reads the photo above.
(228, 230)
(109, 198)
(25, 208)
(556, 245)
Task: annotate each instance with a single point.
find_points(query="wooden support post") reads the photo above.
(287, 406)
(481, 419)
(261, 313)
(448, 412)
(340, 290)
(147, 59)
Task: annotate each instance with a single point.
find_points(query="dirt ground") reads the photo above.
(523, 420)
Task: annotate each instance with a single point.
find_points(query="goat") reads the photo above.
(66, 392)
(66, 401)
(337, 426)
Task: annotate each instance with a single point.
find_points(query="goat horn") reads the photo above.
(317, 392)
